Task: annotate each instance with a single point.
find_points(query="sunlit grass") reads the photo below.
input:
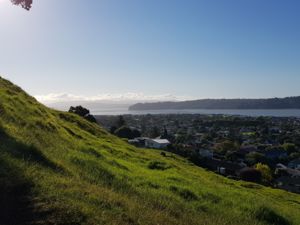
(77, 173)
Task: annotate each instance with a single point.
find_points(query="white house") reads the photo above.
(156, 143)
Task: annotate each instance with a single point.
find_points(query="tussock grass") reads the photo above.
(57, 168)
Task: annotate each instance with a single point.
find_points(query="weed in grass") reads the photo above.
(211, 197)
(252, 186)
(118, 165)
(157, 165)
(184, 193)
(93, 172)
(92, 152)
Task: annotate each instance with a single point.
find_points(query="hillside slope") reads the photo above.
(57, 168)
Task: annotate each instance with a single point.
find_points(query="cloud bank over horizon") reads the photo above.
(126, 98)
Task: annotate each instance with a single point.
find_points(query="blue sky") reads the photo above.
(188, 49)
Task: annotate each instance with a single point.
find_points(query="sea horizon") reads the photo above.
(236, 112)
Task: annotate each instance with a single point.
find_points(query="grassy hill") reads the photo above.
(57, 168)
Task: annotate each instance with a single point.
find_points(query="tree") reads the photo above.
(83, 112)
(121, 122)
(289, 147)
(113, 129)
(255, 157)
(165, 134)
(295, 155)
(250, 174)
(231, 156)
(26, 4)
(154, 133)
(135, 133)
(90, 118)
(79, 110)
(266, 173)
(226, 146)
(124, 132)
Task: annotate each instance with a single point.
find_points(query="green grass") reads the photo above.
(57, 168)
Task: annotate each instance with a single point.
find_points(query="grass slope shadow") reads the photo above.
(15, 195)
(17, 203)
(25, 152)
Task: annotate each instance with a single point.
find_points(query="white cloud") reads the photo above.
(106, 97)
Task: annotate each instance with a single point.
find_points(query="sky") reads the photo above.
(152, 49)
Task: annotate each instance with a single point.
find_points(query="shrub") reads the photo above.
(265, 171)
(126, 132)
(211, 197)
(123, 132)
(250, 174)
(156, 165)
(163, 154)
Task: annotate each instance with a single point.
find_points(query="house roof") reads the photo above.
(280, 166)
(161, 141)
(291, 172)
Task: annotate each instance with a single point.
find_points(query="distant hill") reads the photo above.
(57, 168)
(270, 103)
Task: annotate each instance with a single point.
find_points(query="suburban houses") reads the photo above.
(157, 143)
(232, 146)
(149, 143)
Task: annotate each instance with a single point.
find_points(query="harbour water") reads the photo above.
(250, 112)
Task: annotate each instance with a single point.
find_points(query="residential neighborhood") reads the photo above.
(233, 146)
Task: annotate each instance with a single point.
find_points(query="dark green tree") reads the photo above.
(79, 110)
(83, 112)
(124, 132)
(255, 157)
(155, 132)
(113, 129)
(250, 174)
(225, 146)
(165, 134)
(135, 133)
(121, 122)
(289, 147)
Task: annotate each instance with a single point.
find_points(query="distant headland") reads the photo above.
(267, 103)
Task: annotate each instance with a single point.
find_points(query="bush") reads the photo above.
(289, 147)
(163, 154)
(156, 165)
(126, 132)
(255, 157)
(265, 171)
(250, 174)
(123, 132)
